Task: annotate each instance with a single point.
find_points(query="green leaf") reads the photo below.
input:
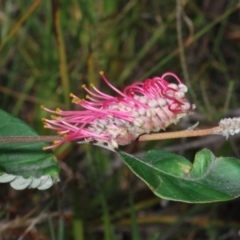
(173, 177)
(25, 164)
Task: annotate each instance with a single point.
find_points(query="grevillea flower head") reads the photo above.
(142, 107)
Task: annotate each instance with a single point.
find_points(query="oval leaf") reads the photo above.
(25, 164)
(173, 177)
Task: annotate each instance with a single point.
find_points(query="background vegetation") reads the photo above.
(50, 48)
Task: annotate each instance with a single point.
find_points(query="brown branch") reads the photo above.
(179, 134)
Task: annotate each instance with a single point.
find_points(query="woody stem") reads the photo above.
(180, 134)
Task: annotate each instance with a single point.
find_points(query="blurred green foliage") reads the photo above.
(50, 48)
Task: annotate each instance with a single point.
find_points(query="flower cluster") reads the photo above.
(229, 126)
(142, 107)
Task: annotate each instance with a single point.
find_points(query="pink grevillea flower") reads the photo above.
(142, 107)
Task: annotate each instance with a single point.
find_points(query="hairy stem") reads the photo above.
(25, 139)
(146, 137)
(180, 134)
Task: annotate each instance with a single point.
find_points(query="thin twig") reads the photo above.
(25, 139)
(180, 134)
(146, 137)
(20, 23)
(182, 56)
(61, 49)
(181, 44)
